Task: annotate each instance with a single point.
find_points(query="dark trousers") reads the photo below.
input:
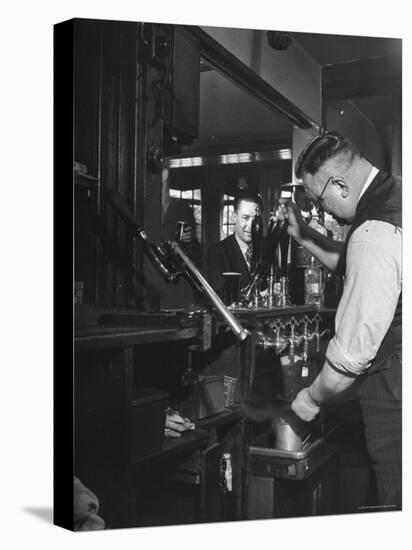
(381, 402)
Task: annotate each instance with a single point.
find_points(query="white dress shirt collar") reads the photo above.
(369, 180)
(242, 244)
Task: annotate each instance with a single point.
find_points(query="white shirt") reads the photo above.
(373, 282)
(369, 180)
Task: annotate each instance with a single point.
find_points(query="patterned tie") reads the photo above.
(248, 255)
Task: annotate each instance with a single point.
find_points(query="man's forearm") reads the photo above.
(326, 250)
(328, 384)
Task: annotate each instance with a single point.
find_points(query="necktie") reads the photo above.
(248, 255)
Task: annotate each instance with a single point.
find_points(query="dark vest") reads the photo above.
(381, 201)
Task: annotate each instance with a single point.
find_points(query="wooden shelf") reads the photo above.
(93, 338)
(327, 311)
(102, 328)
(173, 447)
(86, 181)
(191, 440)
(225, 417)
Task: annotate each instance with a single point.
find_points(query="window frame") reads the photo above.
(227, 200)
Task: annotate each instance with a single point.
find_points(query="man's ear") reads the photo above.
(341, 183)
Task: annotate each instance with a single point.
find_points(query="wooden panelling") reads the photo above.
(106, 121)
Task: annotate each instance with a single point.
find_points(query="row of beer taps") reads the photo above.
(280, 336)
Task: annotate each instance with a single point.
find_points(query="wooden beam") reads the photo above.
(243, 76)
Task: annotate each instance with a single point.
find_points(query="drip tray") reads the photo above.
(268, 461)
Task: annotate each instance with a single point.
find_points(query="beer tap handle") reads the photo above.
(306, 321)
(305, 353)
(292, 323)
(268, 342)
(280, 343)
(318, 336)
(317, 319)
(277, 325)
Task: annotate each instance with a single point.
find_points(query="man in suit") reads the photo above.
(234, 253)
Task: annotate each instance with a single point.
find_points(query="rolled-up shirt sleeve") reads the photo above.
(373, 282)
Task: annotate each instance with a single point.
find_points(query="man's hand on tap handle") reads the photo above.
(290, 211)
(296, 223)
(187, 234)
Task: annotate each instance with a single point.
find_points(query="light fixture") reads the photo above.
(279, 40)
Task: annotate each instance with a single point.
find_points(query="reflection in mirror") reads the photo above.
(241, 144)
(231, 121)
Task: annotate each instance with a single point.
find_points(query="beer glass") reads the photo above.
(180, 229)
(232, 288)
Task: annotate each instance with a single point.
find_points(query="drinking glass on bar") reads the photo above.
(180, 230)
(232, 288)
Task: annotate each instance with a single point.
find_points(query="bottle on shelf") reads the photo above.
(313, 283)
(301, 260)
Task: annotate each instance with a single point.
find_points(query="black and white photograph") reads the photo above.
(237, 273)
(224, 220)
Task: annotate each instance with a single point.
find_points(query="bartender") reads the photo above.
(366, 348)
(234, 253)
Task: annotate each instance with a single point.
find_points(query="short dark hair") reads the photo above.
(247, 196)
(320, 149)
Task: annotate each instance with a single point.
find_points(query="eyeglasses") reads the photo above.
(318, 201)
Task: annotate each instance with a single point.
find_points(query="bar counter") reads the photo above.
(100, 328)
(118, 350)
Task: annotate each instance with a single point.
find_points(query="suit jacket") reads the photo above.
(225, 256)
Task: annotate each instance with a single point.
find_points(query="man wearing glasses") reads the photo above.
(366, 348)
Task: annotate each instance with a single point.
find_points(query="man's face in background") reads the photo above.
(243, 220)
